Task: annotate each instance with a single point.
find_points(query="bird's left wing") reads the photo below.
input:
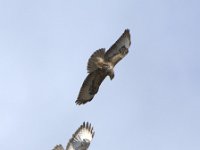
(81, 138)
(91, 86)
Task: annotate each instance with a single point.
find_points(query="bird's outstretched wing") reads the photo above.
(58, 147)
(96, 60)
(119, 49)
(82, 138)
(91, 86)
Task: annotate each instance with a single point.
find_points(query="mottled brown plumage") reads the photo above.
(100, 65)
(91, 86)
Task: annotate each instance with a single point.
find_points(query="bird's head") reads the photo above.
(111, 76)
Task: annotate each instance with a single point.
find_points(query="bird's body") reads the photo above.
(100, 65)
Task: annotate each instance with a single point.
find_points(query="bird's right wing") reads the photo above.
(119, 49)
(81, 138)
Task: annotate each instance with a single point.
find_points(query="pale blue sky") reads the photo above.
(152, 104)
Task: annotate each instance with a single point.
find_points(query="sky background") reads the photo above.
(153, 103)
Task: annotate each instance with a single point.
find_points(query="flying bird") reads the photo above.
(80, 139)
(101, 64)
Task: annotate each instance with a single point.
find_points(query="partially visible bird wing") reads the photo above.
(81, 138)
(116, 58)
(58, 147)
(96, 60)
(90, 86)
(119, 49)
(84, 94)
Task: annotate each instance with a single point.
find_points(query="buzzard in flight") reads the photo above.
(80, 139)
(101, 64)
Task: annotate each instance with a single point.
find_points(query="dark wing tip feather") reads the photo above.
(127, 33)
(78, 102)
(127, 30)
(89, 127)
(81, 101)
